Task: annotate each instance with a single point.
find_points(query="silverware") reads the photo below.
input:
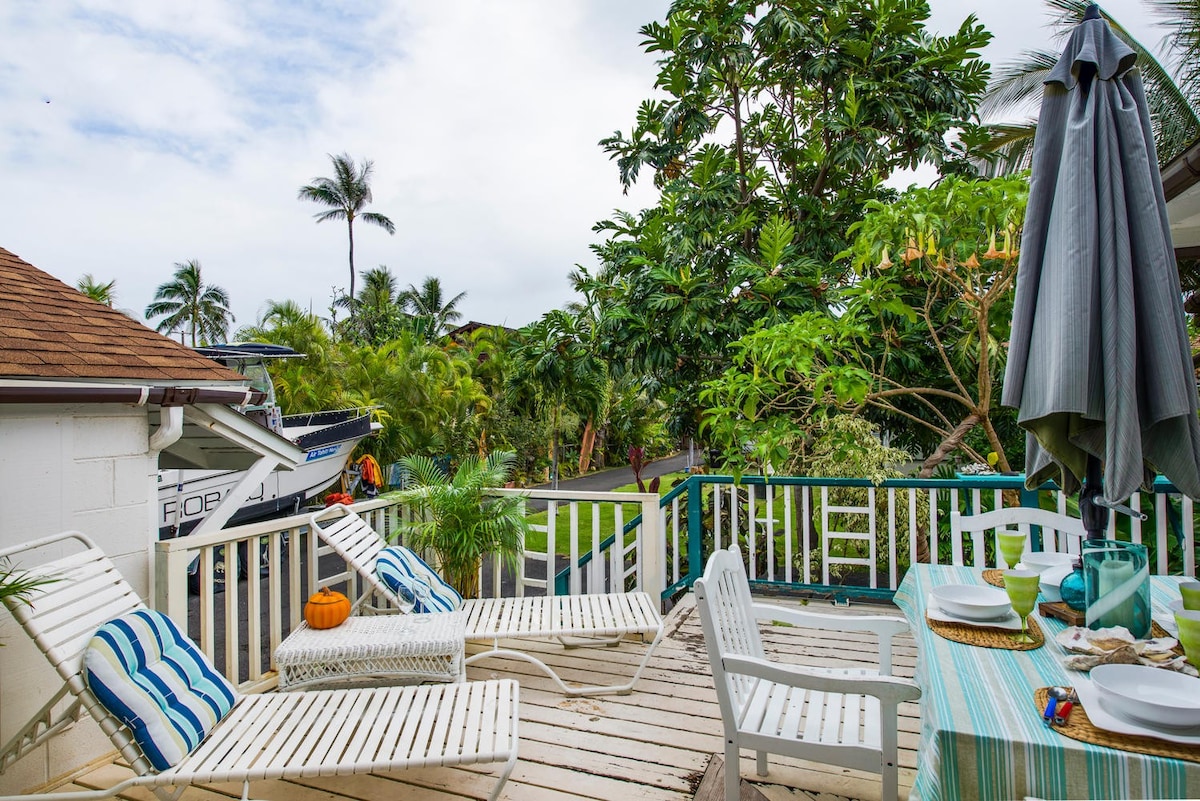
(1064, 711)
(1056, 694)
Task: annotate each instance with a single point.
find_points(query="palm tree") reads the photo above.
(101, 293)
(345, 195)
(429, 303)
(1173, 94)
(186, 300)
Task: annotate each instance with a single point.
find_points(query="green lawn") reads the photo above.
(536, 540)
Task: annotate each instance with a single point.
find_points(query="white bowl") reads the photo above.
(1051, 579)
(1149, 695)
(972, 601)
(1041, 561)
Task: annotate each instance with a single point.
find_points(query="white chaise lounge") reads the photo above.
(90, 624)
(604, 618)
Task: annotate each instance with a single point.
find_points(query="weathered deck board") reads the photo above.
(653, 745)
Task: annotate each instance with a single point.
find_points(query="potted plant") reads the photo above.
(19, 585)
(461, 522)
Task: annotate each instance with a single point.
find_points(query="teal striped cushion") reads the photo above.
(407, 575)
(147, 673)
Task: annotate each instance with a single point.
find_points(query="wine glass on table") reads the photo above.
(1022, 589)
(1011, 545)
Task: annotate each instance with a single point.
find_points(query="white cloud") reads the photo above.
(183, 130)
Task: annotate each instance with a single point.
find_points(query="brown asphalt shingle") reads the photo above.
(50, 330)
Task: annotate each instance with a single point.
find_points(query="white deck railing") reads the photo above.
(240, 623)
(838, 536)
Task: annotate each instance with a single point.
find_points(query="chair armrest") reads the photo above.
(880, 624)
(885, 626)
(888, 689)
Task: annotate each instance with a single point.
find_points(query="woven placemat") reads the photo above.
(995, 577)
(1079, 727)
(987, 637)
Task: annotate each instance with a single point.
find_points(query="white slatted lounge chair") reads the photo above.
(574, 620)
(269, 736)
(843, 717)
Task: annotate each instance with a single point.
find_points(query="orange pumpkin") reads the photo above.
(326, 609)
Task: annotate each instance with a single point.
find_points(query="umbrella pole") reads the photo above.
(1094, 516)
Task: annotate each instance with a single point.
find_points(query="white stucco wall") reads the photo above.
(85, 468)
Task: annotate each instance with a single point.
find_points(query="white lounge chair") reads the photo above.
(574, 620)
(269, 736)
(843, 717)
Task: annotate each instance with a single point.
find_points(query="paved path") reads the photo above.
(605, 480)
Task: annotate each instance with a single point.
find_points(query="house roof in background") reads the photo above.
(49, 330)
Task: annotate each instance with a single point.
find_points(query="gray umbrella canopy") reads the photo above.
(1099, 361)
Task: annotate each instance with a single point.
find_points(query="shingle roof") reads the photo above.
(50, 330)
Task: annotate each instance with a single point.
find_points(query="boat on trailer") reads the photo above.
(187, 497)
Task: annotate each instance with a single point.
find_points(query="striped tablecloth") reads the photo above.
(981, 736)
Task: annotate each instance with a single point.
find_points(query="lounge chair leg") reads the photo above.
(762, 763)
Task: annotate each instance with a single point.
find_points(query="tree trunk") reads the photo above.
(948, 445)
(350, 232)
(585, 447)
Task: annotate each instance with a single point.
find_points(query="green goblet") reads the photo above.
(1189, 634)
(1022, 589)
(1011, 545)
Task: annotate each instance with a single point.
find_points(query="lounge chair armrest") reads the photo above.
(888, 689)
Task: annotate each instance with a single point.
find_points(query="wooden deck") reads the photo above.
(654, 744)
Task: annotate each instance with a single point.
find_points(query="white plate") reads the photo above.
(1150, 696)
(1041, 561)
(1008, 621)
(1051, 580)
(1102, 718)
(972, 601)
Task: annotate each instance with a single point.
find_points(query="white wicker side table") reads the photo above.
(395, 648)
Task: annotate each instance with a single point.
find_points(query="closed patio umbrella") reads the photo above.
(1099, 361)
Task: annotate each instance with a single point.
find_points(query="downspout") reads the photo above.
(170, 429)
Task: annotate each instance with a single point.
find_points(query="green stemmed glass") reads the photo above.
(1011, 545)
(1188, 622)
(1022, 589)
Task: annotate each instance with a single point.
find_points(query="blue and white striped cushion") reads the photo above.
(146, 672)
(407, 575)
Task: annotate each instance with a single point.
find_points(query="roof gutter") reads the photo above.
(132, 395)
(1182, 172)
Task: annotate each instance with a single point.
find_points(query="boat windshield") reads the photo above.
(260, 380)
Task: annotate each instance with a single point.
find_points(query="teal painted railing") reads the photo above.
(848, 538)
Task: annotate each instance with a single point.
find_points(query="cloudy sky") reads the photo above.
(135, 134)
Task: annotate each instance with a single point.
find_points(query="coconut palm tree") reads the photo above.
(97, 291)
(186, 300)
(428, 302)
(346, 194)
(1172, 89)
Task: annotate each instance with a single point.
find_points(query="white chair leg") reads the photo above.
(762, 763)
(733, 783)
(891, 782)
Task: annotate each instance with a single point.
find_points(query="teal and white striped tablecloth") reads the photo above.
(981, 735)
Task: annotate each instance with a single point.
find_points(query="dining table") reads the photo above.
(982, 733)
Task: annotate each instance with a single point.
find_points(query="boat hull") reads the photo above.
(186, 497)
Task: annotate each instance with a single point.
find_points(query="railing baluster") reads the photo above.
(789, 495)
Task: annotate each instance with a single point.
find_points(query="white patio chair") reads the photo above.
(845, 717)
(573, 620)
(1059, 532)
(268, 736)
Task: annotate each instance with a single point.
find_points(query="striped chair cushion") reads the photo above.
(407, 575)
(147, 673)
